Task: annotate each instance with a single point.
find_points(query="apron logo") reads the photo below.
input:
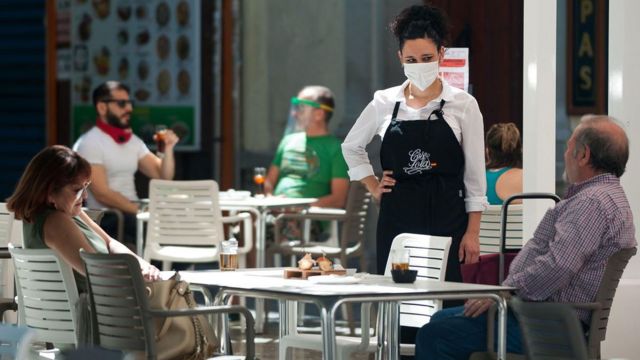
(418, 162)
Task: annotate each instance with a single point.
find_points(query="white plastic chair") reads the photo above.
(186, 223)
(490, 229)
(9, 231)
(15, 341)
(47, 295)
(428, 255)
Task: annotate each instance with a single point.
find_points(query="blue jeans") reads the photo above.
(451, 335)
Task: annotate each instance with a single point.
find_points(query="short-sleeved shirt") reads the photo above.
(307, 164)
(120, 161)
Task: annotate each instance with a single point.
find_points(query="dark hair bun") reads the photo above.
(420, 21)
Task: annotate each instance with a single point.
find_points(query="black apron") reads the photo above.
(428, 197)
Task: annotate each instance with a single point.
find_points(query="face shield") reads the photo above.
(300, 114)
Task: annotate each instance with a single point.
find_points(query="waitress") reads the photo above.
(432, 151)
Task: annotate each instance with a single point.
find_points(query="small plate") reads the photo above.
(333, 279)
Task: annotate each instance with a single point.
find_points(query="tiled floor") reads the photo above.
(267, 343)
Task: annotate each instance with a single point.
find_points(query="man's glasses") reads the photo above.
(295, 101)
(121, 103)
(82, 190)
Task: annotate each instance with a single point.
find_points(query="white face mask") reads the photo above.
(421, 75)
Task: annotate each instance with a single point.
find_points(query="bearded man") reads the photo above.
(115, 154)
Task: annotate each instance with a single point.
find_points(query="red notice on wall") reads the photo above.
(455, 67)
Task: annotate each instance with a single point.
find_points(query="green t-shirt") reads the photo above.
(308, 164)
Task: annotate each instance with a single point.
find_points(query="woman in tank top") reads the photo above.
(504, 162)
(48, 199)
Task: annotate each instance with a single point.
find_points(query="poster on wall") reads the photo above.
(153, 47)
(455, 67)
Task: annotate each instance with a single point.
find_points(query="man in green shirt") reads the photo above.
(310, 163)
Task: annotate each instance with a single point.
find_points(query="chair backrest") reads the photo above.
(117, 295)
(428, 255)
(353, 227)
(550, 330)
(15, 341)
(184, 213)
(47, 294)
(490, 223)
(10, 233)
(6, 225)
(607, 290)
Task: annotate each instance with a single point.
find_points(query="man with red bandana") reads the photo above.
(115, 154)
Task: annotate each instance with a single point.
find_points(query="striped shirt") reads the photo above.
(566, 258)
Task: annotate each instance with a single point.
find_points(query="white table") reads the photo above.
(269, 284)
(260, 207)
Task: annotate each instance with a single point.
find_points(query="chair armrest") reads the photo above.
(586, 306)
(316, 210)
(219, 309)
(235, 218)
(247, 229)
(307, 215)
(313, 213)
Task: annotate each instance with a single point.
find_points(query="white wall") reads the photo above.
(624, 92)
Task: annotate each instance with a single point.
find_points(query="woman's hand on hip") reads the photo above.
(469, 248)
(385, 184)
(377, 188)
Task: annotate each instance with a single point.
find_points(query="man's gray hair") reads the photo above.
(609, 151)
(323, 95)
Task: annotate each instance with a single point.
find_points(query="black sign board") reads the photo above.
(587, 56)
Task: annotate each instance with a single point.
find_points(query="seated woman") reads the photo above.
(48, 199)
(503, 150)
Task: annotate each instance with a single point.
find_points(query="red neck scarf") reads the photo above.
(118, 135)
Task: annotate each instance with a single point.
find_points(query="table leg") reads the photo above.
(328, 331)
(394, 334)
(261, 232)
(139, 235)
(225, 340)
(381, 330)
(502, 328)
(288, 311)
(392, 319)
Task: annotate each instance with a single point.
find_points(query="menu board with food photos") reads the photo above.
(153, 47)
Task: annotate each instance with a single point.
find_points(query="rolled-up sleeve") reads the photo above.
(475, 180)
(354, 145)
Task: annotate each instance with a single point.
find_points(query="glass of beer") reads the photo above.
(259, 174)
(161, 131)
(228, 261)
(400, 259)
(229, 255)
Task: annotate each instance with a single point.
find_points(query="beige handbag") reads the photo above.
(180, 337)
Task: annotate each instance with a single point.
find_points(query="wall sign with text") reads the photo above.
(587, 56)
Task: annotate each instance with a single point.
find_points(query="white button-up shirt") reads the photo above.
(461, 113)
